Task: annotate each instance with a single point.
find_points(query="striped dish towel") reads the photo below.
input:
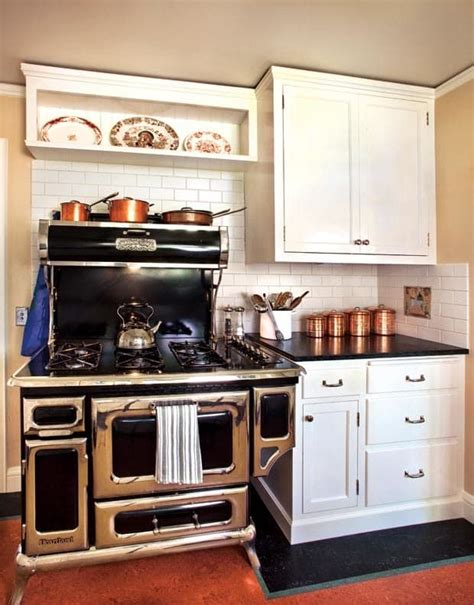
(178, 451)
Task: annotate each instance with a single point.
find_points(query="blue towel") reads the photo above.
(36, 331)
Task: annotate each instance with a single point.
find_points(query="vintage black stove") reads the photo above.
(89, 409)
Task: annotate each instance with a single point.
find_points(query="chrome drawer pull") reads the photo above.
(329, 384)
(420, 379)
(417, 475)
(420, 420)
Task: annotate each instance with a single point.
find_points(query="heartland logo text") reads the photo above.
(45, 541)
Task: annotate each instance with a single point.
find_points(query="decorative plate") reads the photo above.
(71, 129)
(142, 131)
(206, 142)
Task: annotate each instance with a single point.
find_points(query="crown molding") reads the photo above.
(11, 90)
(455, 82)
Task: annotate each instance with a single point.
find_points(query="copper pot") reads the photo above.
(128, 210)
(188, 216)
(79, 211)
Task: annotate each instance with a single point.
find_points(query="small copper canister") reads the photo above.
(384, 321)
(360, 322)
(336, 323)
(316, 325)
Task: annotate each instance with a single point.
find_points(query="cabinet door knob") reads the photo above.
(366, 242)
(358, 242)
(309, 418)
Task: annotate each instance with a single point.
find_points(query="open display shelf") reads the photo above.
(104, 99)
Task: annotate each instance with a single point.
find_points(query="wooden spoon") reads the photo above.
(296, 301)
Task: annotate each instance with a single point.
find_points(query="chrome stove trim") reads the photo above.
(26, 566)
(217, 376)
(45, 223)
(31, 428)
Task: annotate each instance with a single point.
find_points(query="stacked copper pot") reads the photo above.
(355, 322)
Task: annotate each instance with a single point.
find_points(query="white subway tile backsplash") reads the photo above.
(330, 285)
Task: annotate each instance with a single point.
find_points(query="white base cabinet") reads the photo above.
(388, 455)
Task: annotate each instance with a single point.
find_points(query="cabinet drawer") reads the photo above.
(411, 418)
(400, 475)
(417, 376)
(141, 520)
(333, 382)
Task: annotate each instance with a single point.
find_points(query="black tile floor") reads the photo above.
(10, 505)
(337, 560)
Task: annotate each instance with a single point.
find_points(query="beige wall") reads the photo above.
(12, 128)
(455, 214)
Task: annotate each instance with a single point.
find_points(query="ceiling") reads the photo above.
(235, 41)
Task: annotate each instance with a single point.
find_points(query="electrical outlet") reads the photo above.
(21, 315)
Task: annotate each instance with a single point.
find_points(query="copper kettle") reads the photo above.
(136, 332)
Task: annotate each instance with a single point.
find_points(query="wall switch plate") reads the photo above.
(21, 315)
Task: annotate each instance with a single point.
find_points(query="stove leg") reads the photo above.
(252, 553)
(22, 574)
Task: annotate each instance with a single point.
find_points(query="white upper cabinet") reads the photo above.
(349, 176)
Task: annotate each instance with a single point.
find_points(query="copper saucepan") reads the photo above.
(188, 216)
(128, 210)
(79, 211)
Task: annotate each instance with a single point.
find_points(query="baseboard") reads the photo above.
(14, 479)
(468, 501)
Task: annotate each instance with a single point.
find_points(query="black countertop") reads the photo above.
(304, 348)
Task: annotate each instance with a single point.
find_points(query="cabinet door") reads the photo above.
(395, 176)
(320, 188)
(329, 456)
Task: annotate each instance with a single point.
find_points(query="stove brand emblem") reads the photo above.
(135, 244)
(58, 540)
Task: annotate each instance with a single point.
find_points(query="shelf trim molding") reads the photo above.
(11, 90)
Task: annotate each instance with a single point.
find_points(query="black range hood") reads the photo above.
(108, 244)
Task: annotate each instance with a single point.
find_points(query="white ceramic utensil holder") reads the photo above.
(283, 319)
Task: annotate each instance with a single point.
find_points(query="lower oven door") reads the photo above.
(55, 496)
(123, 522)
(124, 442)
(273, 426)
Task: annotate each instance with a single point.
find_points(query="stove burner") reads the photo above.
(196, 355)
(75, 356)
(146, 359)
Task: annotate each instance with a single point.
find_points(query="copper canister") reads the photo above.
(316, 325)
(347, 319)
(371, 311)
(360, 322)
(384, 321)
(336, 323)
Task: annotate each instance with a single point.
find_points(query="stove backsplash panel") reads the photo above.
(88, 298)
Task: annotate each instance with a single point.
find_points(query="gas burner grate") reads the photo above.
(138, 360)
(196, 355)
(84, 356)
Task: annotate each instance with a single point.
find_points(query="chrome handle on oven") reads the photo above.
(339, 383)
(420, 379)
(136, 232)
(417, 475)
(420, 420)
(156, 529)
(195, 517)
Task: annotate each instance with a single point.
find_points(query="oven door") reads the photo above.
(124, 442)
(273, 426)
(55, 496)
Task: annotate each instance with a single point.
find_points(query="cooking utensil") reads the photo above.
(128, 210)
(258, 303)
(296, 301)
(278, 333)
(188, 216)
(79, 211)
(285, 300)
(136, 332)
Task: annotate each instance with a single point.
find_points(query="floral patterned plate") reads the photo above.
(142, 131)
(71, 129)
(206, 142)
